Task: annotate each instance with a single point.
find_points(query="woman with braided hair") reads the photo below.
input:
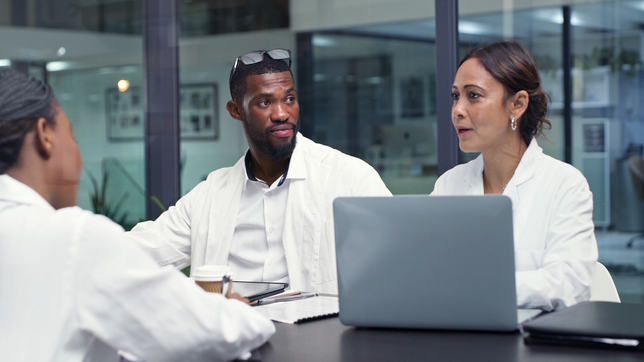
(498, 109)
(20, 101)
(31, 121)
(72, 286)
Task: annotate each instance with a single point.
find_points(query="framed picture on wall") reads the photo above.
(198, 115)
(198, 111)
(124, 112)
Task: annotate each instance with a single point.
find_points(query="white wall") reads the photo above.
(5, 12)
(82, 49)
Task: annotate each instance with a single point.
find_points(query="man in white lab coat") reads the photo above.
(72, 286)
(270, 216)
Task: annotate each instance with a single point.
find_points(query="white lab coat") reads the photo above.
(554, 238)
(198, 230)
(73, 288)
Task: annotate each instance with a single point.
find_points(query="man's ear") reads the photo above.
(234, 109)
(519, 103)
(44, 138)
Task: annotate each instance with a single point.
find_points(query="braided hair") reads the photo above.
(23, 100)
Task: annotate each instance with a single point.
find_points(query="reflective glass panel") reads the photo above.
(90, 52)
(607, 117)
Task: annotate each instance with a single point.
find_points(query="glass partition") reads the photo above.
(608, 131)
(606, 124)
(368, 91)
(375, 99)
(90, 53)
(210, 138)
(365, 73)
(539, 30)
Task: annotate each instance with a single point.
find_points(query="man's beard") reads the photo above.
(261, 139)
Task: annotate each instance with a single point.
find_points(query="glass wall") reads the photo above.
(213, 34)
(607, 121)
(365, 94)
(608, 131)
(210, 138)
(90, 53)
(540, 31)
(365, 73)
(374, 99)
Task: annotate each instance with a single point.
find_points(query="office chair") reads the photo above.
(636, 168)
(603, 288)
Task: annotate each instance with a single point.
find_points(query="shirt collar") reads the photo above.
(523, 172)
(251, 176)
(526, 168)
(15, 191)
(295, 168)
(473, 175)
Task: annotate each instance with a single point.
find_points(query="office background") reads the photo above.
(367, 74)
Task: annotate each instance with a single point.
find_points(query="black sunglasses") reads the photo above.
(258, 56)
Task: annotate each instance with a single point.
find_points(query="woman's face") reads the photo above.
(66, 163)
(480, 114)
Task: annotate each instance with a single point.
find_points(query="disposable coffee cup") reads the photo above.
(209, 277)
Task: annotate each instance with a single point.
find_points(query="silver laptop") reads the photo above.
(439, 262)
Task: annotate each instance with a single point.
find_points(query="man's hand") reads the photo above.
(238, 297)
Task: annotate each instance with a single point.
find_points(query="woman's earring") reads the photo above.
(513, 124)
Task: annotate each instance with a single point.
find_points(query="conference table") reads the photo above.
(329, 340)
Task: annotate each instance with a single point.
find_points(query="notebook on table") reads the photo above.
(439, 262)
(593, 324)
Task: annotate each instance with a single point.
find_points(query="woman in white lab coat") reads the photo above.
(499, 109)
(72, 286)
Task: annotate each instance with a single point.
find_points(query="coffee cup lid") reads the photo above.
(209, 273)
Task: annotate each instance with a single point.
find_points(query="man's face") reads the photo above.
(270, 114)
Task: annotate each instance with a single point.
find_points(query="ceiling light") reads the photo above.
(470, 27)
(123, 85)
(556, 16)
(321, 41)
(57, 66)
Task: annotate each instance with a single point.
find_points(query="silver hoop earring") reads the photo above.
(513, 124)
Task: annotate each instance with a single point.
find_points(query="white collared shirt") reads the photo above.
(257, 251)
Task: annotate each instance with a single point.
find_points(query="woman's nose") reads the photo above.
(457, 109)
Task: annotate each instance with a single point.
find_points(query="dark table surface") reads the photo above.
(329, 340)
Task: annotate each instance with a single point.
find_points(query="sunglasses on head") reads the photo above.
(258, 56)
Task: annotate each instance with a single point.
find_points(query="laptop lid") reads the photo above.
(439, 262)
